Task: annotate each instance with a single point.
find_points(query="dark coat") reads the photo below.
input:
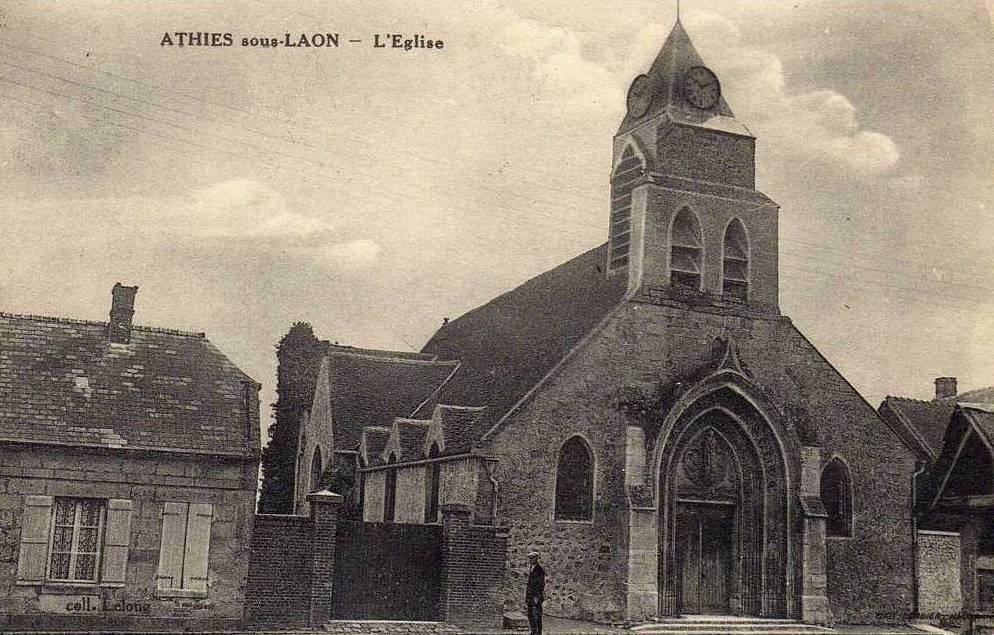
(536, 584)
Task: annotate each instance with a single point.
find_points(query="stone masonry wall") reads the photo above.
(938, 562)
(279, 578)
(148, 481)
(649, 347)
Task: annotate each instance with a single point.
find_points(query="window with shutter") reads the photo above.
(32, 561)
(81, 540)
(686, 251)
(185, 548)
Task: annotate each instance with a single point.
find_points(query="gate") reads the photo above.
(387, 571)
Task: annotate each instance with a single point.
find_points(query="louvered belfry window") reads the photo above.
(686, 251)
(735, 265)
(627, 172)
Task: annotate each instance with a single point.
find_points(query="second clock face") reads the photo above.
(639, 96)
(701, 87)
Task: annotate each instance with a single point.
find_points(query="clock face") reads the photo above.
(701, 87)
(639, 96)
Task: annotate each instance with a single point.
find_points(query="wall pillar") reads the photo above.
(474, 560)
(324, 518)
(642, 601)
(814, 570)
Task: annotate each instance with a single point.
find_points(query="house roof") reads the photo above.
(509, 344)
(931, 418)
(371, 388)
(967, 419)
(63, 382)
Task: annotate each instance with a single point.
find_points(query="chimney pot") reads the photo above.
(945, 387)
(122, 310)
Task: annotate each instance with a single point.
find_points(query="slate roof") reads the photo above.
(509, 344)
(62, 382)
(931, 418)
(459, 427)
(966, 418)
(375, 438)
(371, 388)
(411, 439)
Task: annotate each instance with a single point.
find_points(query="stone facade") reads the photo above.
(143, 486)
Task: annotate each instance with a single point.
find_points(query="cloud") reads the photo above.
(362, 252)
(821, 124)
(239, 207)
(563, 74)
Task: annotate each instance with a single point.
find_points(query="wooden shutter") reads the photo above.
(117, 539)
(198, 542)
(32, 563)
(172, 546)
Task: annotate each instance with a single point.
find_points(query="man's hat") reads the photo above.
(532, 554)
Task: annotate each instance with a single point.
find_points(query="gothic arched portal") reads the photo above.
(724, 528)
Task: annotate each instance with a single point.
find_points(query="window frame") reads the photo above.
(675, 272)
(846, 486)
(74, 541)
(745, 283)
(588, 448)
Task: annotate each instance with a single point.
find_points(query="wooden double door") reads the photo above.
(705, 557)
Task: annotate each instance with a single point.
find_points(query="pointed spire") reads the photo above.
(665, 80)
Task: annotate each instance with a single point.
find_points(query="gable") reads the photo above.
(963, 474)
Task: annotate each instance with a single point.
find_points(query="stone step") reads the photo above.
(716, 625)
(381, 627)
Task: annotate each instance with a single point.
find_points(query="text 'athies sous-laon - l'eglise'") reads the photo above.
(397, 41)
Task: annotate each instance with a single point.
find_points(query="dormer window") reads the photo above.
(735, 262)
(686, 251)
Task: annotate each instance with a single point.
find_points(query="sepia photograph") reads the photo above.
(662, 317)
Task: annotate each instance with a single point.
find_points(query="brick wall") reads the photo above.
(473, 562)
(148, 481)
(279, 578)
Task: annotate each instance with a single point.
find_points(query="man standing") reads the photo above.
(535, 593)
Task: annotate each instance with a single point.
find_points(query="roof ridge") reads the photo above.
(447, 405)
(420, 422)
(68, 320)
(403, 360)
(939, 402)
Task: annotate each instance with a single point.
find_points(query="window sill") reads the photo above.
(575, 521)
(180, 593)
(66, 586)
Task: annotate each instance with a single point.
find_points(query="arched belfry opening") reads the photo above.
(724, 512)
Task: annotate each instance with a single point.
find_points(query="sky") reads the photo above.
(373, 192)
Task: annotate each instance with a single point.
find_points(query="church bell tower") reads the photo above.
(687, 223)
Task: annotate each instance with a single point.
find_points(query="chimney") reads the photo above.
(122, 309)
(945, 387)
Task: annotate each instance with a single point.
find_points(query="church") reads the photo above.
(643, 415)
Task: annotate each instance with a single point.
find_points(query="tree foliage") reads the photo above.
(298, 356)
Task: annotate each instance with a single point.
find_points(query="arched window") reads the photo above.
(836, 496)
(686, 251)
(626, 173)
(735, 262)
(575, 481)
(316, 470)
(432, 482)
(390, 493)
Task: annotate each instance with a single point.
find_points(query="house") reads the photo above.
(128, 471)
(954, 495)
(644, 416)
